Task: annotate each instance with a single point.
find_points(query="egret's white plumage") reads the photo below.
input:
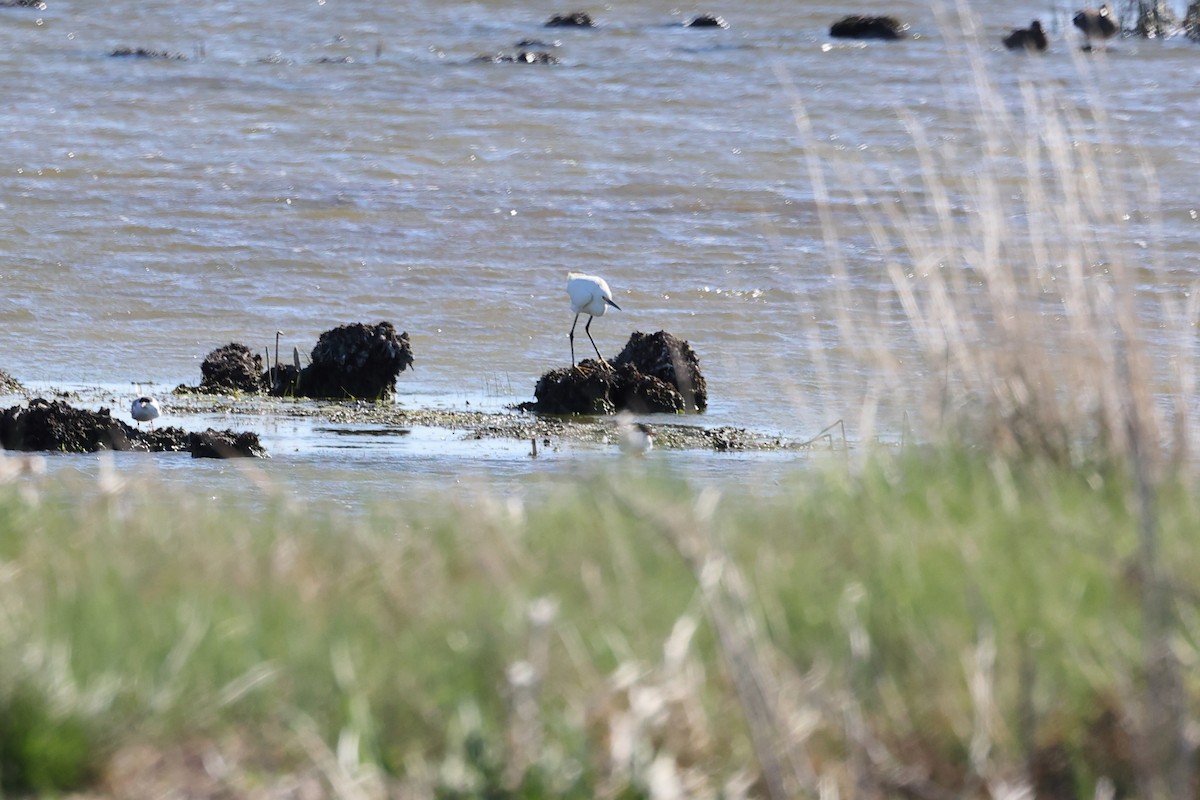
(589, 295)
(144, 409)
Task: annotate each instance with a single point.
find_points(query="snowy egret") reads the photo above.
(589, 295)
(1031, 38)
(635, 438)
(144, 409)
(1095, 23)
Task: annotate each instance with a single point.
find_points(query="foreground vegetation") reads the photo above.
(936, 624)
(1011, 613)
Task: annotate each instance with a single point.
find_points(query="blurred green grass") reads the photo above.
(972, 614)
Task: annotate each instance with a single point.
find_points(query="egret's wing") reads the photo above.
(580, 289)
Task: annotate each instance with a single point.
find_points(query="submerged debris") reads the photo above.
(142, 52)
(654, 373)
(706, 21)
(225, 444)
(522, 57)
(58, 427)
(859, 26)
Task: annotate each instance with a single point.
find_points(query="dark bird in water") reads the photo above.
(1031, 38)
(1096, 23)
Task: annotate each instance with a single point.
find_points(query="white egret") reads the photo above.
(589, 295)
(144, 409)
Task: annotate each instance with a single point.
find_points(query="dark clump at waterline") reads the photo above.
(59, 427)
(350, 362)
(356, 361)
(866, 27)
(231, 368)
(575, 19)
(654, 373)
(225, 444)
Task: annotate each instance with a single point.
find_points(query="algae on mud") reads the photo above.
(482, 424)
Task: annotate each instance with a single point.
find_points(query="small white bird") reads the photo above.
(589, 295)
(144, 409)
(635, 438)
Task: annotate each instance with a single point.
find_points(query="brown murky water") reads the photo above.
(155, 209)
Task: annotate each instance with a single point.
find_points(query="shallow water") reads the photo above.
(154, 210)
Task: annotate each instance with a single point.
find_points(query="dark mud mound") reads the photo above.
(356, 362)
(225, 444)
(706, 21)
(58, 427)
(672, 361)
(575, 19)
(232, 368)
(865, 27)
(588, 388)
(9, 384)
(655, 373)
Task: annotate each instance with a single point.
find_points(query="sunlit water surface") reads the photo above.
(156, 209)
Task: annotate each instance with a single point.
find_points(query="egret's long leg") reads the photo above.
(571, 336)
(593, 341)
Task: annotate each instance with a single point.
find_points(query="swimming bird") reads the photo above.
(589, 295)
(1031, 38)
(1096, 23)
(635, 438)
(144, 409)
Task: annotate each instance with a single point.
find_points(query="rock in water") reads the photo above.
(706, 21)
(58, 427)
(356, 361)
(232, 368)
(583, 389)
(225, 444)
(672, 361)
(575, 19)
(859, 26)
(654, 373)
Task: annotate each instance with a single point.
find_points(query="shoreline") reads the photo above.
(515, 425)
(671, 433)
